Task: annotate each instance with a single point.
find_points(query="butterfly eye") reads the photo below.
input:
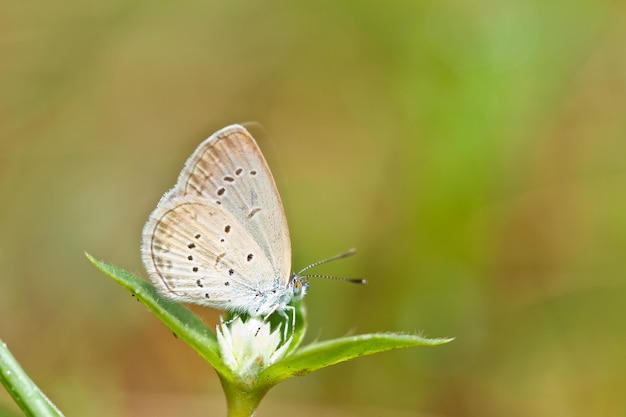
(297, 287)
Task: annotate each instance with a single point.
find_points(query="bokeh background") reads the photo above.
(474, 153)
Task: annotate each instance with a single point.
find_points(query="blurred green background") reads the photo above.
(474, 153)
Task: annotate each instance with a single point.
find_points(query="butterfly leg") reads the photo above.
(235, 317)
(293, 321)
(284, 314)
(265, 319)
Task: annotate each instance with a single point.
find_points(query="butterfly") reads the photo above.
(220, 238)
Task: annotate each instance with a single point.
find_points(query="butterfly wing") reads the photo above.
(220, 236)
(196, 252)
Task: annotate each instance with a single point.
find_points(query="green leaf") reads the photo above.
(23, 390)
(185, 324)
(322, 354)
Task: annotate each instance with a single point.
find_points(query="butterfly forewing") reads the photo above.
(229, 170)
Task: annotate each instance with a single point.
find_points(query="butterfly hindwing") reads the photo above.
(201, 254)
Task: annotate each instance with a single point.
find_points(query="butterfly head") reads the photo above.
(299, 286)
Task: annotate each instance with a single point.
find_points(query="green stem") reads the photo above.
(26, 394)
(241, 403)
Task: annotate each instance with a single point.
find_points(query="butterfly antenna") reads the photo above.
(345, 254)
(352, 280)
